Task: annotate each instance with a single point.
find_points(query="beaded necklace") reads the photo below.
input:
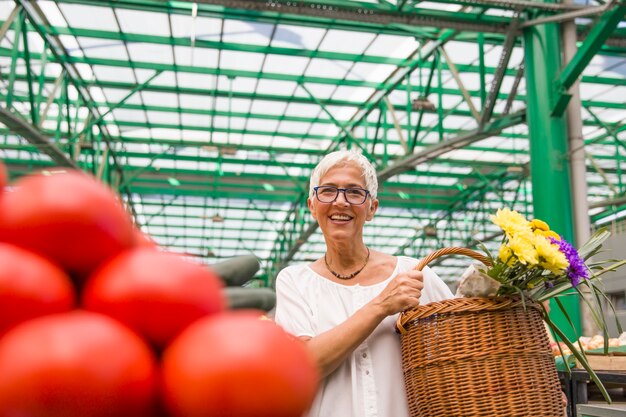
(352, 275)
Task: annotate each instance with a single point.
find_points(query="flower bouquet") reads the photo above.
(537, 264)
(486, 352)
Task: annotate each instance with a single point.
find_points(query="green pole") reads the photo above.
(549, 164)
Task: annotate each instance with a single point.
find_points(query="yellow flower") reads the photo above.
(548, 233)
(539, 224)
(505, 253)
(511, 221)
(522, 246)
(550, 257)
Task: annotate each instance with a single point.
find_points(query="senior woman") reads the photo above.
(345, 304)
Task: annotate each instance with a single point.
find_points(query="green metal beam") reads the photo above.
(217, 45)
(337, 123)
(337, 10)
(549, 164)
(503, 63)
(399, 29)
(34, 136)
(330, 81)
(432, 152)
(515, 5)
(35, 14)
(148, 188)
(466, 197)
(118, 104)
(599, 33)
(451, 163)
(173, 41)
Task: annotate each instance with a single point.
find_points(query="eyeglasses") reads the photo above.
(328, 194)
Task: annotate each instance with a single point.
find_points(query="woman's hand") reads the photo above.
(401, 293)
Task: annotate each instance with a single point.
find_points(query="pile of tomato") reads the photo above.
(97, 321)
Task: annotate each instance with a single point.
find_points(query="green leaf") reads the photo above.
(547, 319)
(611, 268)
(484, 248)
(617, 323)
(554, 291)
(594, 243)
(597, 318)
(566, 315)
(583, 361)
(522, 296)
(599, 264)
(551, 324)
(605, 329)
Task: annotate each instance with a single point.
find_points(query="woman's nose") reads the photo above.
(342, 194)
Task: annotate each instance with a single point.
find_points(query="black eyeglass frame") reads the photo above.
(342, 190)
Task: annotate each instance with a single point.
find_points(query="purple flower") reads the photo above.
(577, 270)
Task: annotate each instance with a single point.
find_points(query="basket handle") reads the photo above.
(452, 251)
(402, 318)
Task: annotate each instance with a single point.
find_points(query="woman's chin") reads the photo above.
(340, 232)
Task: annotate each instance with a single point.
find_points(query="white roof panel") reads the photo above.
(282, 64)
(275, 87)
(249, 33)
(235, 104)
(352, 93)
(243, 84)
(326, 68)
(144, 22)
(89, 17)
(203, 81)
(365, 71)
(184, 26)
(268, 107)
(302, 109)
(148, 52)
(346, 41)
(299, 37)
(106, 73)
(200, 57)
(294, 127)
(392, 46)
(248, 61)
(262, 124)
(98, 48)
(159, 117)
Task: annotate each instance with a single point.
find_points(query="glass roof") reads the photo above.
(209, 116)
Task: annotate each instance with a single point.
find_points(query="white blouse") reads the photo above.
(369, 383)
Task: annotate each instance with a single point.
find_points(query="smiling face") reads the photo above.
(340, 219)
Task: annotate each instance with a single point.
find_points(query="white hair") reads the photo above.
(339, 158)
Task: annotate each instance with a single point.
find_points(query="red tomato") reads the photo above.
(30, 286)
(155, 293)
(76, 364)
(142, 239)
(4, 176)
(235, 365)
(69, 217)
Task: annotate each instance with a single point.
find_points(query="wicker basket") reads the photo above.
(470, 357)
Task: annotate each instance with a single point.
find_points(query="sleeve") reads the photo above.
(437, 289)
(293, 313)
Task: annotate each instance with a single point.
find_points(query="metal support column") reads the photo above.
(580, 205)
(549, 162)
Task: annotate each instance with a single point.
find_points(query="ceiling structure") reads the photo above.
(209, 116)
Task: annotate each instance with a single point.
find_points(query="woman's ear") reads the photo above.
(309, 202)
(372, 209)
